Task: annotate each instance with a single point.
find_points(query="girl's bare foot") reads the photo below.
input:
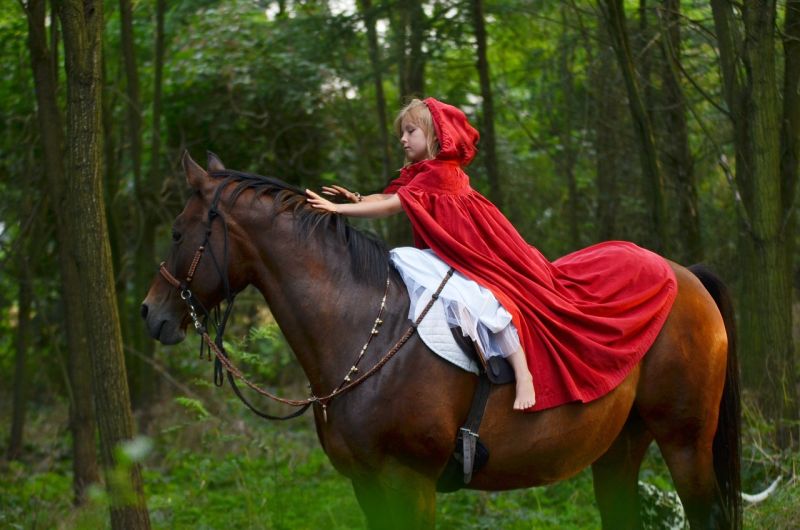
(526, 396)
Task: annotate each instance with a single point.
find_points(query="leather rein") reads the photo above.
(221, 357)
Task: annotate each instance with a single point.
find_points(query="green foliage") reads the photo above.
(781, 509)
(194, 405)
(235, 471)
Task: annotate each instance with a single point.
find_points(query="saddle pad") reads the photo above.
(435, 333)
(420, 268)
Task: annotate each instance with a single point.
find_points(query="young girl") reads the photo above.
(583, 321)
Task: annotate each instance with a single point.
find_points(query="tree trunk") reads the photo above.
(790, 132)
(367, 11)
(767, 188)
(132, 103)
(141, 371)
(677, 157)
(82, 24)
(116, 214)
(651, 170)
(790, 167)
(644, 60)
(566, 157)
(608, 121)
(415, 76)
(409, 32)
(487, 123)
(398, 19)
(20, 399)
(82, 420)
(148, 382)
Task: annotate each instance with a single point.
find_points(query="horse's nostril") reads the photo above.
(144, 311)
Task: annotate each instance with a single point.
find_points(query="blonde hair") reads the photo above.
(418, 114)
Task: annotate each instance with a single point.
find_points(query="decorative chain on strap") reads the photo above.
(324, 400)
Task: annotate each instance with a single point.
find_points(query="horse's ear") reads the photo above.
(214, 163)
(196, 176)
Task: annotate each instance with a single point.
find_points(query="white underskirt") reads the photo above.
(466, 304)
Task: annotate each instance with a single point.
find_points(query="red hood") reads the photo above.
(457, 138)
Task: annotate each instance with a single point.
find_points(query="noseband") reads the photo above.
(221, 356)
(183, 287)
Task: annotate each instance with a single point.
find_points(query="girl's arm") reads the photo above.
(378, 205)
(334, 190)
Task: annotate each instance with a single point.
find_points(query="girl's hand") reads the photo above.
(320, 202)
(340, 191)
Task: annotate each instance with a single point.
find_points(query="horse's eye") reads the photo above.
(176, 236)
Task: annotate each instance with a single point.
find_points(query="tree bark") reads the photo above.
(82, 24)
(148, 382)
(644, 60)
(488, 144)
(651, 170)
(20, 397)
(566, 157)
(132, 103)
(677, 157)
(141, 372)
(82, 419)
(790, 127)
(415, 76)
(368, 13)
(609, 114)
(789, 434)
(409, 36)
(766, 186)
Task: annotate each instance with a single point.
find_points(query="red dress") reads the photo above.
(584, 320)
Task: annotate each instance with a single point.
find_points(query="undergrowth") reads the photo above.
(209, 465)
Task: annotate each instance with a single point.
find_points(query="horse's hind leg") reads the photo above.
(616, 477)
(691, 463)
(397, 500)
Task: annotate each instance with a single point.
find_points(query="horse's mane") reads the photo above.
(369, 257)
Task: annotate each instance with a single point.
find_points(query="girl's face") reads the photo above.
(414, 142)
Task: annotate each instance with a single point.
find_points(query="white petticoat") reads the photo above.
(464, 303)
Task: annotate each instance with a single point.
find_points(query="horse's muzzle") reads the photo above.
(165, 330)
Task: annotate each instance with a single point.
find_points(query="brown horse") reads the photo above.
(393, 434)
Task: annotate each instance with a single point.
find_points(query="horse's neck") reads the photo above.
(324, 314)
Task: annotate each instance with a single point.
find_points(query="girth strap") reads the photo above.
(468, 434)
(469, 454)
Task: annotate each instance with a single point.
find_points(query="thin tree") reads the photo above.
(144, 381)
(488, 143)
(82, 23)
(410, 24)
(608, 123)
(143, 253)
(562, 124)
(676, 154)
(20, 397)
(132, 102)
(149, 199)
(368, 13)
(51, 128)
(766, 136)
(614, 15)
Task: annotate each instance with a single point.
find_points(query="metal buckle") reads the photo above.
(469, 442)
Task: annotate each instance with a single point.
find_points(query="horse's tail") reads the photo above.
(727, 439)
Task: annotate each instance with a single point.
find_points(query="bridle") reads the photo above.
(221, 357)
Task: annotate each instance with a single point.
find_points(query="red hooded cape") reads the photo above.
(584, 320)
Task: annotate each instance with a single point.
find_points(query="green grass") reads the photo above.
(227, 470)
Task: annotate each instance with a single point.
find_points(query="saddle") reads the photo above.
(470, 454)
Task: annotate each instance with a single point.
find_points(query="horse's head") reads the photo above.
(204, 265)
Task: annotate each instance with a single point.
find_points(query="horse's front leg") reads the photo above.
(396, 498)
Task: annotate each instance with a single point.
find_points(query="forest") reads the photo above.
(673, 124)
